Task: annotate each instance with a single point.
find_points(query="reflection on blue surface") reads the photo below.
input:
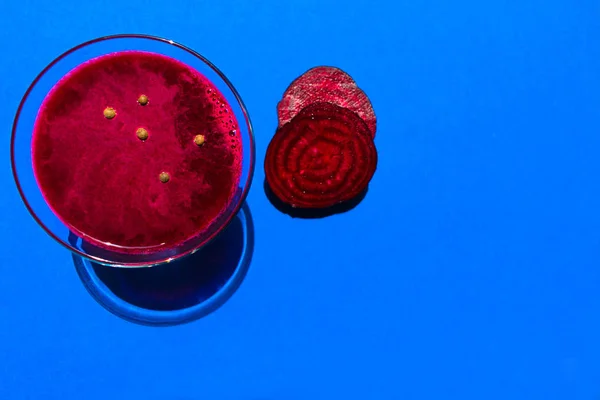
(180, 291)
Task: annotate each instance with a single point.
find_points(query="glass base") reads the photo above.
(180, 291)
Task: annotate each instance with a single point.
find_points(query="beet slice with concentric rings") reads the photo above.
(324, 156)
(330, 85)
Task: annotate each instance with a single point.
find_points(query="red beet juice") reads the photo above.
(137, 152)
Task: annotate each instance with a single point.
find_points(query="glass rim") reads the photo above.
(178, 256)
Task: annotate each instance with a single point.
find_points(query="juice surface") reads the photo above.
(118, 187)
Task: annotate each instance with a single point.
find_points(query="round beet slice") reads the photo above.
(325, 84)
(324, 156)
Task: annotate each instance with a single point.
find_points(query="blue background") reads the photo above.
(470, 271)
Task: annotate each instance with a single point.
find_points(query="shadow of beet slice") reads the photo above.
(324, 156)
(312, 213)
(330, 85)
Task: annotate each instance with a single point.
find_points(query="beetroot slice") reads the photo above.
(324, 156)
(325, 84)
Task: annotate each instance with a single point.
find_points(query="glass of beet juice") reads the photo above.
(132, 150)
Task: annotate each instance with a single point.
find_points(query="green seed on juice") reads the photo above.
(142, 134)
(164, 177)
(143, 100)
(199, 140)
(109, 113)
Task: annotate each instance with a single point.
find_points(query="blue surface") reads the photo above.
(470, 270)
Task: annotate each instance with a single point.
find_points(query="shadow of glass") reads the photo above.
(180, 291)
(308, 213)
